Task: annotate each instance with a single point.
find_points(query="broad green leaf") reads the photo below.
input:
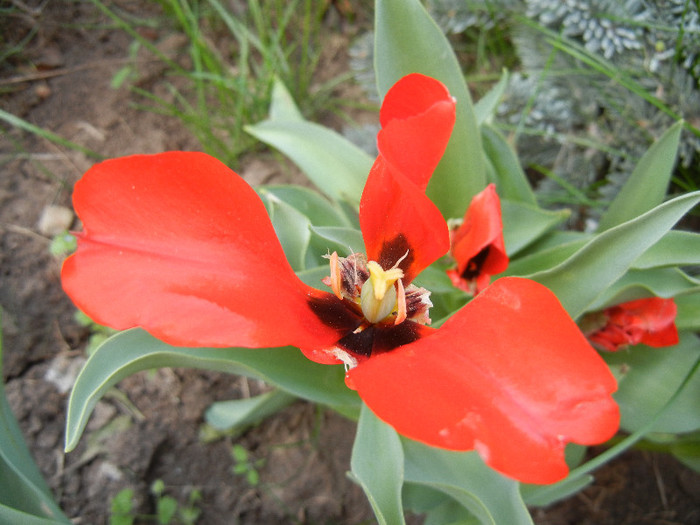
(407, 41)
(134, 350)
(688, 317)
(636, 284)
(543, 495)
(490, 497)
(647, 379)
(309, 203)
(647, 185)
(11, 516)
(585, 275)
(292, 229)
(377, 465)
(24, 495)
(485, 108)
(544, 259)
(236, 413)
(282, 105)
(313, 276)
(523, 224)
(687, 450)
(676, 248)
(508, 175)
(335, 165)
(349, 239)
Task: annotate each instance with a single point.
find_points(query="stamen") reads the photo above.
(400, 303)
(336, 278)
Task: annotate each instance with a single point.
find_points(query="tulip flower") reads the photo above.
(477, 243)
(649, 321)
(178, 244)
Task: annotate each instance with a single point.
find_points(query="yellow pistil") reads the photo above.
(379, 297)
(382, 279)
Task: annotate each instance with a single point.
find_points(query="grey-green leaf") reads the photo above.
(647, 185)
(407, 41)
(134, 350)
(377, 465)
(584, 276)
(490, 497)
(648, 377)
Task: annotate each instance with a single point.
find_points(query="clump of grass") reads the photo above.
(234, 59)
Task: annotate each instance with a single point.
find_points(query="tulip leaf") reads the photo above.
(25, 497)
(313, 276)
(524, 223)
(292, 229)
(12, 515)
(134, 350)
(334, 164)
(310, 203)
(489, 496)
(676, 248)
(544, 259)
(377, 465)
(649, 377)
(485, 108)
(349, 240)
(647, 185)
(688, 317)
(508, 175)
(580, 279)
(237, 413)
(407, 41)
(655, 282)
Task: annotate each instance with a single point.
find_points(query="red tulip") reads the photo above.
(477, 244)
(181, 246)
(647, 321)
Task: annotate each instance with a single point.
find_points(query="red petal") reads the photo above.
(482, 228)
(180, 245)
(398, 218)
(509, 375)
(417, 117)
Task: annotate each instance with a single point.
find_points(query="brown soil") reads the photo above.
(73, 56)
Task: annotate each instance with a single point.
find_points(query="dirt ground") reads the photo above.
(152, 429)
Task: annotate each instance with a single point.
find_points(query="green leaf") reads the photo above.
(584, 276)
(334, 164)
(655, 282)
(407, 41)
(646, 187)
(11, 515)
(377, 465)
(165, 509)
(648, 377)
(485, 108)
(348, 240)
(688, 317)
(237, 413)
(523, 224)
(508, 175)
(134, 350)
(676, 248)
(292, 229)
(309, 203)
(543, 495)
(544, 259)
(489, 496)
(24, 495)
(282, 105)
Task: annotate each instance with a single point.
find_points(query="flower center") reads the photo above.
(379, 297)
